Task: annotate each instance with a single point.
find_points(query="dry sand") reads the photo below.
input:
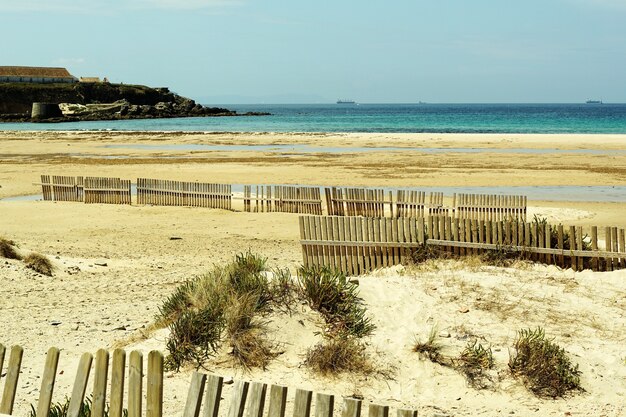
(103, 306)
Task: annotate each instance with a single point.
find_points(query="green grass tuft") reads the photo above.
(543, 365)
(60, 409)
(332, 295)
(220, 306)
(431, 348)
(474, 362)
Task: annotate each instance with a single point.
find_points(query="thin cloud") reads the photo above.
(96, 6)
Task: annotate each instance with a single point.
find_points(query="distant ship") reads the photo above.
(340, 101)
(593, 101)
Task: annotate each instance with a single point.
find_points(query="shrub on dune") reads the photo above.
(39, 263)
(543, 365)
(7, 249)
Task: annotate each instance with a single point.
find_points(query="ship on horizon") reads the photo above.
(345, 101)
(593, 101)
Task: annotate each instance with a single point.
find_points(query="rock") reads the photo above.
(444, 334)
(228, 380)
(55, 322)
(463, 310)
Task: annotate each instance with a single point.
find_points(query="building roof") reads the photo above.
(34, 72)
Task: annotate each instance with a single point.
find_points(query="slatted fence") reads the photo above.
(356, 201)
(62, 188)
(135, 382)
(180, 193)
(411, 203)
(107, 190)
(355, 245)
(250, 397)
(490, 207)
(282, 198)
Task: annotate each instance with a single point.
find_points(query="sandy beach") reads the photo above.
(115, 264)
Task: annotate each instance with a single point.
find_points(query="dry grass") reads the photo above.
(7, 249)
(224, 305)
(246, 334)
(39, 263)
(338, 354)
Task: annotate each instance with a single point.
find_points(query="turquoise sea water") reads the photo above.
(453, 118)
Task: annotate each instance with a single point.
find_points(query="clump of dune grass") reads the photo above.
(431, 348)
(339, 353)
(7, 249)
(474, 363)
(331, 294)
(245, 332)
(543, 366)
(223, 305)
(39, 263)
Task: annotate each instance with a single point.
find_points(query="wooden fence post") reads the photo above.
(47, 382)
(10, 383)
(80, 385)
(302, 403)
(154, 395)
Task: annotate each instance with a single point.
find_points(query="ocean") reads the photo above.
(381, 118)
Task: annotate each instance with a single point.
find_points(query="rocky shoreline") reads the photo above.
(56, 104)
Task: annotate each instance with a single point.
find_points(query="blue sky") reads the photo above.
(397, 51)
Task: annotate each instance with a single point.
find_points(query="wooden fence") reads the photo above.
(368, 202)
(62, 188)
(179, 193)
(282, 198)
(244, 396)
(490, 207)
(372, 202)
(355, 245)
(107, 190)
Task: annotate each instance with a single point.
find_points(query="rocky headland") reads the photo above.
(97, 101)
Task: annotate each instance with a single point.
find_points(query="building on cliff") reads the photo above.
(35, 75)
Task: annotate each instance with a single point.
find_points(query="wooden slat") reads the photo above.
(213, 395)
(118, 365)
(135, 384)
(324, 405)
(278, 401)
(376, 410)
(10, 383)
(302, 403)
(80, 385)
(238, 399)
(194, 395)
(256, 399)
(47, 382)
(100, 383)
(406, 413)
(351, 407)
(154, 397)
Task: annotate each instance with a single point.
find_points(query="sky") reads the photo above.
(371, 51)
